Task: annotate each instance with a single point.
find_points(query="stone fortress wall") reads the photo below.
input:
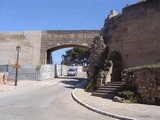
(30, 42)
(135, 33)
(38, 45)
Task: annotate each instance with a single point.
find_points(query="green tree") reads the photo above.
(76, 56)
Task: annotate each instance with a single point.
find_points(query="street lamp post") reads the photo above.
(56, 74)
(18, 48)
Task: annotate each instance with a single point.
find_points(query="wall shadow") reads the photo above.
(72, 82)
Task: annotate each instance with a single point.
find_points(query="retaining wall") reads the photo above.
(146, 81)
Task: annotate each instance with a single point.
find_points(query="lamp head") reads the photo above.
(18, 48)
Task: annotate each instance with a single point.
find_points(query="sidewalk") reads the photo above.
(114, 109)
(21, 83)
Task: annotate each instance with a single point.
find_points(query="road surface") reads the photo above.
(46, 100)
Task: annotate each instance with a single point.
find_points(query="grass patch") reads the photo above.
(153, 66)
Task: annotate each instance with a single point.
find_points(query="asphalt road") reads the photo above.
(47, 100)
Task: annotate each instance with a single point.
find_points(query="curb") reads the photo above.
(97, 110)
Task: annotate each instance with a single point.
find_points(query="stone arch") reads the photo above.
(54, 48)
(55, 39)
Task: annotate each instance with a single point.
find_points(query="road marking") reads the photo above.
(77, 85)
(49, 83)
(45, 83)
(52, 83)
(60, 84)
(36, 83)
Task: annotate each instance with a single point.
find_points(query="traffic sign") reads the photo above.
(16, 65)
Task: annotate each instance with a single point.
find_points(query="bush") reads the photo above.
(90, 86)
(129, 95)
(38, 67)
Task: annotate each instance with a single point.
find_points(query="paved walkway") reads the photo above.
(21, 84)
(115, 109)
(101, 105)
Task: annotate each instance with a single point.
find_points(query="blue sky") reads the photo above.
(18, 15)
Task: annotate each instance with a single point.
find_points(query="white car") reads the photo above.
(72, 72)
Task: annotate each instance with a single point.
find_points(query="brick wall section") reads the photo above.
(135, 34)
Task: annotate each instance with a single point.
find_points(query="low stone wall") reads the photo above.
(46, 72)
(104, 76)
(147, 82)
(108, 76)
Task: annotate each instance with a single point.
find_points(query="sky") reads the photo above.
(19, 15)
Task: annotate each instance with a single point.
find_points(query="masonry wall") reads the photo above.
(146, 81)
(29, 41)
(135, 34)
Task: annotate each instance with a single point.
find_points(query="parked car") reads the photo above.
(72, 72)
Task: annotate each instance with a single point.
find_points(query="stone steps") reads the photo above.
(109, 90)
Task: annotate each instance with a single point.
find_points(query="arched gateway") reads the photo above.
(38, 45)
(56, 39)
